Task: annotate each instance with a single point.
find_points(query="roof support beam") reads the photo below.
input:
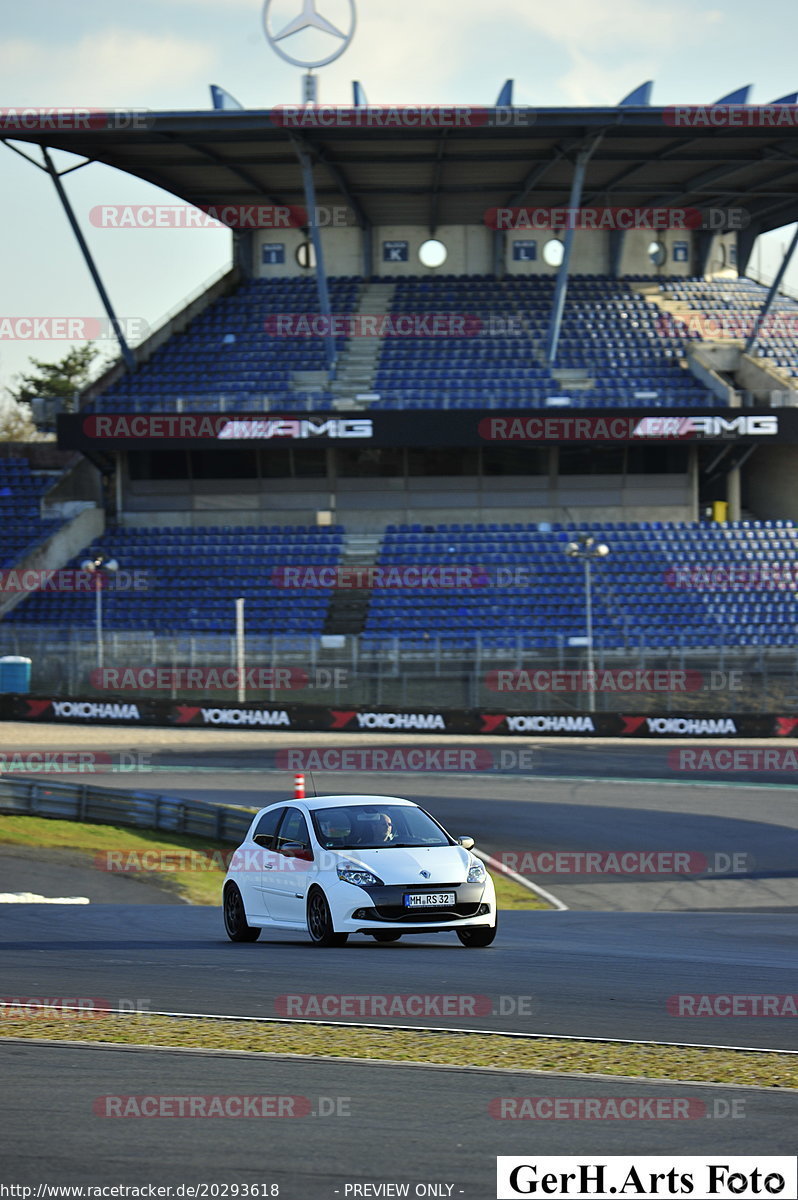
(771, 296)
(343, 186)
(315, 237)
(561, 287)
(126, 352)
(702, 244)
(617, 238)
(744, 240)
(533, 177)
(499, 246)
(435, 190)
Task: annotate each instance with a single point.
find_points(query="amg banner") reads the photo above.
(137, 431)
(143, 711)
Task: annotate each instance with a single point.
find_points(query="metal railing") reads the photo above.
(387, 672)
(137, 810)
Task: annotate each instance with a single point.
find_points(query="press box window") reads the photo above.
(598, 460)
(657, 460)
(369, 462)
(515, 460)
(310, 464)
(442, 462)
(157, 464)
(224, 464)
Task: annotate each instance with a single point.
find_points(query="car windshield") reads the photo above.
(369, 827)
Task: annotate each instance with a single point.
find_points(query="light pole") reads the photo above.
(588, 550)
(96, 566)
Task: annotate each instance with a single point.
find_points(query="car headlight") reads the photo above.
(476, 872)
(357, 875)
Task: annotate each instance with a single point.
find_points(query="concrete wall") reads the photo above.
(64, 544)
(704, 366)
(80, 487)
(471, 250)
(370, 504)
(761, 379)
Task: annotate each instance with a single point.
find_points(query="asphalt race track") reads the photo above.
(584, 974)
(742, 840)
(607, 969)
(398, 1124)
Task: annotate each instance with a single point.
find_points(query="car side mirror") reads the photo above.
(466, 842)
(297, 850)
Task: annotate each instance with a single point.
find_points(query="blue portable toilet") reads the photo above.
(14, 673)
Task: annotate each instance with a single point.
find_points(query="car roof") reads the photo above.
(314, 802)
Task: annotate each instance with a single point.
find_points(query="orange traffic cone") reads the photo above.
(299, 786)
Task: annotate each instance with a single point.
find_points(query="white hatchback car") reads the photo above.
(335, 865)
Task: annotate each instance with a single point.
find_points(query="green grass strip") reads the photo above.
(202, 882)
(453, 1049)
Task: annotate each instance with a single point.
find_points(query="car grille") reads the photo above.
(418, 916)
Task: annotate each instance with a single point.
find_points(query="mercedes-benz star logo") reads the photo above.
(309, 18)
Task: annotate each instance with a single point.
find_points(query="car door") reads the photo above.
(262, 861)
(290, 879)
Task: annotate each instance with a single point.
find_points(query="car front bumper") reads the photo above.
(380, 908)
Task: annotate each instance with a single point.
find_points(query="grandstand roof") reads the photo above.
(729, 156)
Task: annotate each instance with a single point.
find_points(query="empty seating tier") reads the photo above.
(188, 579)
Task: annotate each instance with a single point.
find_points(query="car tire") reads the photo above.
(320, 923)
(478, 936)
(235, 917)
(386, 935)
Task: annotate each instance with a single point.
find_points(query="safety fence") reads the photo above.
(389, 673)
(138, 810)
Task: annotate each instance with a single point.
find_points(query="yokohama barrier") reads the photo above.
(137, 710)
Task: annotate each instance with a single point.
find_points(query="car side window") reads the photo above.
(267, 828)
(294, 829)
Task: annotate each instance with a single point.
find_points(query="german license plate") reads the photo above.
(429, 899)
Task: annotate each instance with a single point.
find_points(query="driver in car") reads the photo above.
(384, 829)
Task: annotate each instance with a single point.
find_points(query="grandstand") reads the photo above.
(22, 526)
(735, 303)
(611, 350)
(189, 578)
(369, 450)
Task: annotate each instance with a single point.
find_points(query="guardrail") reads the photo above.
(138, 810)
